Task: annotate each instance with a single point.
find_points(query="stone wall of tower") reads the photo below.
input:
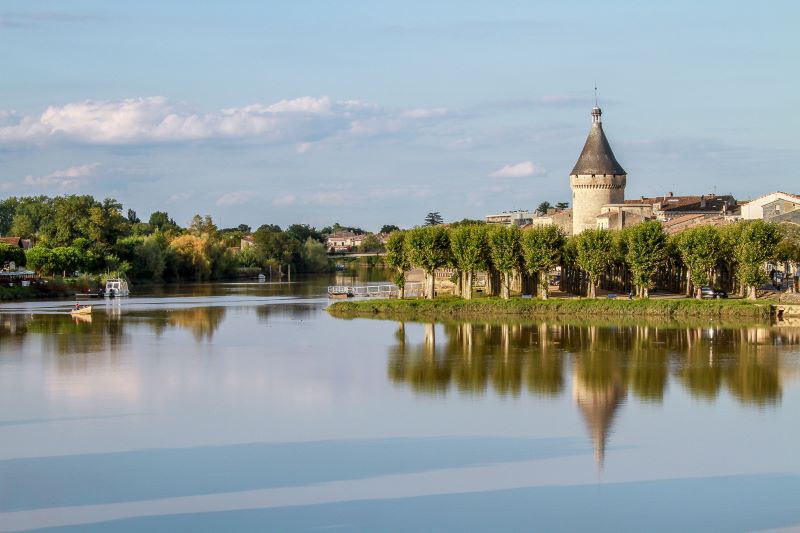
(589, 194)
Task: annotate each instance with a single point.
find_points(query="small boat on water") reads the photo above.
(80, 310)
(339, 295)
(116, 287)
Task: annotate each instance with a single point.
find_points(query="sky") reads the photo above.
(369, 113)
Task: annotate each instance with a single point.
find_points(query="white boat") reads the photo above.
(262, 278)
(79, 310)
(116, 287)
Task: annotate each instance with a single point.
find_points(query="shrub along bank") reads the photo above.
(443, 308)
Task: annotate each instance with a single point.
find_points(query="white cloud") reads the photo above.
(179, 197)
(520, 170)
(325, 198)
(68, 178)
(155, 119)
(284, 199)
(235, 198)
(302, 148)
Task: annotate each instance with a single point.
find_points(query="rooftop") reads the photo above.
(597, 156)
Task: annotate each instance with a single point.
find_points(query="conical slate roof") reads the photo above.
(597, 157)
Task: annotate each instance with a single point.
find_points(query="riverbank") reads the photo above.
(444, 308)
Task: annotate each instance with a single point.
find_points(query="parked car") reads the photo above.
(709, 292)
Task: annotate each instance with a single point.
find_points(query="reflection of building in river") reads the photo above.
(607, 361)
(598, 403)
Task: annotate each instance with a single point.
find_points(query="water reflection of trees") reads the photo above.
(513, 358)
(202, 322)
(607, 362)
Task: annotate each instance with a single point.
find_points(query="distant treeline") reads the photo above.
(79, 233)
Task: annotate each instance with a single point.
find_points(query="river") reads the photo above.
(246, 407)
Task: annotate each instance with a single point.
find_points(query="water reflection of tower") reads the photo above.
(598, 396)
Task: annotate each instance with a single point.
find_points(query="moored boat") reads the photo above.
(81, 310)
(116, 287)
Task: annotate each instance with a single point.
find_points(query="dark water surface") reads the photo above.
(245, 407)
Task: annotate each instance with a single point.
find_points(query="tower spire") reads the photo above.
(596, 112)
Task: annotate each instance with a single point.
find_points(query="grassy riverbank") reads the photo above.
(443, 308)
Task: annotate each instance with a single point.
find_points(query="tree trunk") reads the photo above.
(468, 289)
(431, 285)
(646, 292)
(543, 284)
(592, 287)
(402, 292)
(505, 285)
(689, 287)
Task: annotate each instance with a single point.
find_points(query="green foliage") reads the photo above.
(562, 205)
(38, 258)
(433, 219)
(303, 232)
(541, 250)
(544, 207)
(370, 244)
(701, 248)
(487, 308)
(467, 222)
(646, 252)
(389, 228)
(397, 258)
(161, 221)
(594, 254)
(505, 250)
(315, 257)
(789, 247)
(7, 209)
(201, 226)
(11, 253)
(758, 243)
(470, 247)
(429, 247)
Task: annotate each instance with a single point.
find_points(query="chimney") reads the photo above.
(670, 194)
(702, 201)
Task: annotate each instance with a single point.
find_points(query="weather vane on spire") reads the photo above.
(595, 94)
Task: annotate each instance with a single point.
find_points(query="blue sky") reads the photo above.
(369, 113)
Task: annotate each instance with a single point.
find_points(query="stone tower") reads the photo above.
(597, 178)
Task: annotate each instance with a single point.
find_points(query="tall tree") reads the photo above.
(470, 248)
(543, 208)
(646, 252)
(541, 249)
(8, 209)
(433, 219)
(562, 205)
(757, 245)
(397, 258)
(506, 252)
(701, 249)
(389, 228)
(429, 249)
(594, 254)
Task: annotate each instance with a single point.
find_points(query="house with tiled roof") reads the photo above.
(754, 209)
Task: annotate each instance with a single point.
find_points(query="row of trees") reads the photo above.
(78, 233)
(644, 250)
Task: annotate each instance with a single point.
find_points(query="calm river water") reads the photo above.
(246, 407)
